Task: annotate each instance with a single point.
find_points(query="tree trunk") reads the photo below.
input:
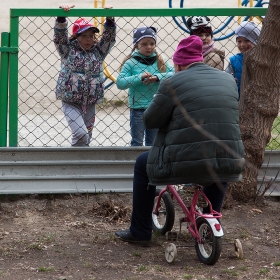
(259, 102)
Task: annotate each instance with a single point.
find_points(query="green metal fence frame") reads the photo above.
(4, 70)
(11, 48)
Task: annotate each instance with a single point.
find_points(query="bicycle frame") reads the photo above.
(193, 212)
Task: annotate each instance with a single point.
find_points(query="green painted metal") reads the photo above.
(4, 70)
(140, 12)
(8, 49)
(13, 83)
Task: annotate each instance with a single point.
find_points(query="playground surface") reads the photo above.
(72, 237)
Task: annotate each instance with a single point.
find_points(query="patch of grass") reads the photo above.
(137, 254)
(243, 268)
(159, 268)
(264, 271)
(118, 103)
(112, 236)
(188, 276)
(232, 272)
(112, 103)
(157, 234)
(141, 268)
(46, 269)
(35, 246)
(276, 264)
(87, 264)
(274, 143)
(50, 237)
(244, 234)
(187, 268)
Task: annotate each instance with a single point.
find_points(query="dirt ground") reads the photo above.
(72, 237)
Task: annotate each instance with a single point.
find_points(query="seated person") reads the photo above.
(198, 139)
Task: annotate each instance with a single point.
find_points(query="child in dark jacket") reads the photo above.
(80, 81)
(247, 34)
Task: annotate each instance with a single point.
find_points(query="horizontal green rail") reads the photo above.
(140, 12)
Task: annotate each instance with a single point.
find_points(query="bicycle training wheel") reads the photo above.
(209, 250)
(170, 252)
(238, 248)
(164, 221)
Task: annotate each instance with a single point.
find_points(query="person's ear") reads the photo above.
(177, 68)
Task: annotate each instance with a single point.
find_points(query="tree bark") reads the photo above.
(259, 100)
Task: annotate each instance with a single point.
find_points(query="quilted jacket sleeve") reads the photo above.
(108, 39)
(61, 40)
(160, 111)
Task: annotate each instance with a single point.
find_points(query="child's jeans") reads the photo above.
(138, 129)
(80, 122)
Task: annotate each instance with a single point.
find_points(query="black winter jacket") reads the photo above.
(181, 153)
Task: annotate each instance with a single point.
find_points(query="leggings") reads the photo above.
(80, 121)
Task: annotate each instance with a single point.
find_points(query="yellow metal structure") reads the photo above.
(251, 4)
(100, 25)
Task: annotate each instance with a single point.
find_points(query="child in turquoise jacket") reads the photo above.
(141, 72)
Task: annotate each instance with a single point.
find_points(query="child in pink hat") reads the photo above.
(80, 81)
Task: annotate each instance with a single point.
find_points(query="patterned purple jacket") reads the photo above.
(81, 78)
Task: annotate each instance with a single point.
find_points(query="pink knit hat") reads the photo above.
(188, 51)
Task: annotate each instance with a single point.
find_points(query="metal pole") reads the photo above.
(4, 75)
(13, 85)
(239, 4)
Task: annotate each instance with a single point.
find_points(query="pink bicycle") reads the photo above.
(204, 228)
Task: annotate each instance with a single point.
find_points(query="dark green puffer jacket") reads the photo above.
(181, 153)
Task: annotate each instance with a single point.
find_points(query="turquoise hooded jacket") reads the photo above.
(140, 95)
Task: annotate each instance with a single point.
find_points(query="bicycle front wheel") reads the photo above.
(209, 250)
(163, 221)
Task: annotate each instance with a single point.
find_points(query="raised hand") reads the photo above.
(66, 7)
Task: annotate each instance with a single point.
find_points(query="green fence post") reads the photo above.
(4, 70)
(13, 85)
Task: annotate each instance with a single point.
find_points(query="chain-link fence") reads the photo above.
(41, 121)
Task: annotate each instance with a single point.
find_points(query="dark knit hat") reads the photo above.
(188, 51)
(144, 32)
(198, 25)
